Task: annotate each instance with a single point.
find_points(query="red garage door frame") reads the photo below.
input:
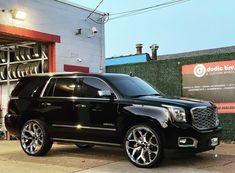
(32, 35)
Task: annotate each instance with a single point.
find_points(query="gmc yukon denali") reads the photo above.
(108, 109)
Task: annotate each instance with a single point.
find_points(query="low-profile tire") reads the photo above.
(143, 146)
(84, 146)
(34, 138)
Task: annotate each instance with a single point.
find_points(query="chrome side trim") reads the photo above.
(78, 98)
(42, 93)
(44, 88)
(14, 98)
(66, 126)
(88, 142)
(84, 127)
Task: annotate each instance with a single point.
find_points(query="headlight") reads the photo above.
(178, 113)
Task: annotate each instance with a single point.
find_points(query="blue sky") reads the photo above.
(189, 26)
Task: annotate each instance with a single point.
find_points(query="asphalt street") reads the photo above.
(70, 159)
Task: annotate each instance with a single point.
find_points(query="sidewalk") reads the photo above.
(70, 159)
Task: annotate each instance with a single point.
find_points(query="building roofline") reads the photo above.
(222, 50)
(122, 56)
(78, 6)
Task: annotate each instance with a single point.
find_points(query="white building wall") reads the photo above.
(55, 17)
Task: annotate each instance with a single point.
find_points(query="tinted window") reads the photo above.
(50, 88)
(28, 87)
(133, 86)
(64, 87)
(60, 87)
(89, 87)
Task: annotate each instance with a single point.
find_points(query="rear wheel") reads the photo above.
(143, 146)
(34, 138)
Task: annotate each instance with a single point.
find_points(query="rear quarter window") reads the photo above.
(28, 87)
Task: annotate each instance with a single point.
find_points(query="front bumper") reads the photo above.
(198, 141)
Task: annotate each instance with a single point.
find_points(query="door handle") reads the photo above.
(46, 104)
(80, 106)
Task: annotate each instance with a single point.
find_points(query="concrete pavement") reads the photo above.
(70, 159)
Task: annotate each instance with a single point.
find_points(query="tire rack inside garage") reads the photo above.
(18, 58)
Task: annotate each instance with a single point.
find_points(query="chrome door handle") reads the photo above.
(80, 106)
(46, 104)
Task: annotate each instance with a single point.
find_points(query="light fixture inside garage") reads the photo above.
(18, 14)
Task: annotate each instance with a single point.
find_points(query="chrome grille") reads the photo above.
(204, 117)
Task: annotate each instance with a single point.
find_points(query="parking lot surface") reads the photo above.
(70, 159)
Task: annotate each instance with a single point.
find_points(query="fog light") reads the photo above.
(182, 141)
(187, 142)
(214, 141)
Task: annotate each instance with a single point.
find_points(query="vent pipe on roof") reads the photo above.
(139, 48)
(154, 48)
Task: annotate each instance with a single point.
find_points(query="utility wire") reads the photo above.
(146, 9)
(95, 9)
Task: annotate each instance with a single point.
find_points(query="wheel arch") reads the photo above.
(29, 116)
(153, 123)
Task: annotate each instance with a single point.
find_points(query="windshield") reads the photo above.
(133, 87)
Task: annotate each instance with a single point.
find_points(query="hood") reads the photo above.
(182, 102)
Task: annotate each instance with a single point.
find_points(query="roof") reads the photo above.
(78, 6)
(58, 74)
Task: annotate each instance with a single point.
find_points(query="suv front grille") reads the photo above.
(204, 117)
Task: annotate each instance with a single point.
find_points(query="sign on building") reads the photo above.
(213, 81)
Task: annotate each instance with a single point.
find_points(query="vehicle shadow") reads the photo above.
(97, 152)
(172, 158)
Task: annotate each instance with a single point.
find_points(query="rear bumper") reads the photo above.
(12, 123)
(201, 140)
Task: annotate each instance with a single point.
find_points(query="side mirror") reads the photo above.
(106, 94)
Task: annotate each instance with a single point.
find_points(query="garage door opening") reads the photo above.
(23, 52)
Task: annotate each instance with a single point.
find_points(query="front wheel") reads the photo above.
(143, 146)
(34, 138)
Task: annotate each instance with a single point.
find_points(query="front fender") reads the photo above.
(154, 112)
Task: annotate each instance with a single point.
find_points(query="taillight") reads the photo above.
(8, 106)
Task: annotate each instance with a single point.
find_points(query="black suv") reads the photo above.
(108, 109)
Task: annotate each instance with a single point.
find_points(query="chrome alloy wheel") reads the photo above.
(32, 138)
(142, 146)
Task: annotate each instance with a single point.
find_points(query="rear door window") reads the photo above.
(60, 87)
(64, 87)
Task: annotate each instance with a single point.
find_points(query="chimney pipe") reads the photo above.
(154, 48)
(139, 48)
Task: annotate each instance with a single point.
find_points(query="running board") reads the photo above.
(86, 142)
